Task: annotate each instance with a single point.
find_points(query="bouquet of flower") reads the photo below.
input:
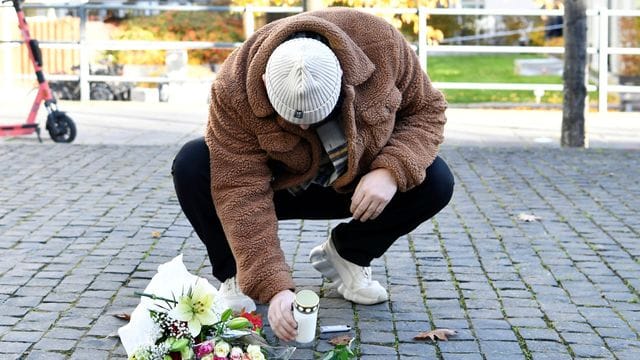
(179, 318)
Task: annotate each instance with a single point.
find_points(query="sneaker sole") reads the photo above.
(320, 262)
(347, 294)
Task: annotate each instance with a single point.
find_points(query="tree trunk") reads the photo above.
(575, 64)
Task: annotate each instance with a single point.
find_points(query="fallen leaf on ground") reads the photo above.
(528, 217)
(123, 316)
(340, 340)
(440, 334)
(155, 234)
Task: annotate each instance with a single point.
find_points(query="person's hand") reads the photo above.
(281, 315)
(373, 193)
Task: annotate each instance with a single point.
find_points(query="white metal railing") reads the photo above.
(85, 46)
(603, 50)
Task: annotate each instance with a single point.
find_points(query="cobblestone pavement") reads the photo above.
(76, 226)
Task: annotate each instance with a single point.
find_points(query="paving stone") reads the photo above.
(75, 322)
(550, 356)
(522, 312)
(627, 354)
(33, 325)
(91, 302)
(457, 346)
(376, 337)
(32, 291)
(55, 344)
(591, 351)
(573, 327)
(528, 322)
(45, 355)
(371, 349)
(496, 334)
(500, 347)
(16, 311)
(622, 345)
(12, 347)
(491, 324)
(538, 334)
(8, 320)
(461, 356)
(500, 356)
(22, 336)
(89, 342)
(65, 333)
(616, 332)
(41, 316)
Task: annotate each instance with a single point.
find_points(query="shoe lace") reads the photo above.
(231, 286)
(366, 271)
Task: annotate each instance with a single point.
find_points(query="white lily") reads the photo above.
(196, 309)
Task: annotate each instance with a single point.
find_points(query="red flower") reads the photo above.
(254, 318)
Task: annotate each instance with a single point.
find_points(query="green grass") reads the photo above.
(491, 69)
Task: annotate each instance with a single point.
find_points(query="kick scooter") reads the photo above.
(60, 126)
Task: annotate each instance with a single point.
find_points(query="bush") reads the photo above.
(629, 37)
(448, 24)
(179, 26)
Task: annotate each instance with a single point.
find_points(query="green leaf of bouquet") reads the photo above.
(226, 315)
(328, 356)
(179, 345)
(347, 354)
(239, 323)
(187, 353)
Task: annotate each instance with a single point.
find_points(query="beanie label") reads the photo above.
(298, 114)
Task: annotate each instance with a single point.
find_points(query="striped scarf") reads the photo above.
(334, 159)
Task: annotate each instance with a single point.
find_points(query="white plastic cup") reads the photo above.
(305, 312)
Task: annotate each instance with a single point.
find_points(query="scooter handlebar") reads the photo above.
(16, 4)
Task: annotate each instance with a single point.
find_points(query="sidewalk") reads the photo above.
(76, 225)
(131, 123)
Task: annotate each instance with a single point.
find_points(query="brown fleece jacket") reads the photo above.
(392, 116)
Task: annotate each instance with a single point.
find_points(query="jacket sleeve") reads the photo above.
(243, 197)
(419, 126)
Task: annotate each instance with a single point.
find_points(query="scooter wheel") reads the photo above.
(60, 127)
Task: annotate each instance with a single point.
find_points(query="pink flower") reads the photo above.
(204, 349)
(236, 353)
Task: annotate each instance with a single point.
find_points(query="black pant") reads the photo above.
(358, 242)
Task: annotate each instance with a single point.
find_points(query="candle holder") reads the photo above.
(305, 312)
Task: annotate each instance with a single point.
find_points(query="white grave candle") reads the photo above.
(305, 311)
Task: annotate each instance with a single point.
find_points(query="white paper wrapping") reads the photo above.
(171, 281)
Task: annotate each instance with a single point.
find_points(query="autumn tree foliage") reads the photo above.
(178, 26)
(400, 21)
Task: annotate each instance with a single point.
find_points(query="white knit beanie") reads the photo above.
(303, 79)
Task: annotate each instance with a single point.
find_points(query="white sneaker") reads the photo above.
(233, 297)
(353, 282)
